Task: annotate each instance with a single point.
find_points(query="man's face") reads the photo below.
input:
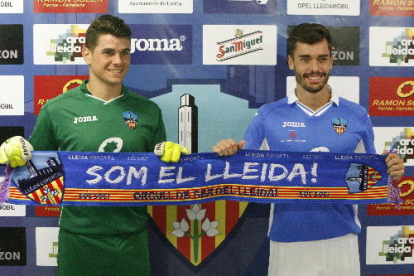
(312, 65)
(109, 61)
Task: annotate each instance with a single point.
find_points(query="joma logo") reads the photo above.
(85, 119)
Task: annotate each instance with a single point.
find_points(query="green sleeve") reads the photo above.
(43, 136)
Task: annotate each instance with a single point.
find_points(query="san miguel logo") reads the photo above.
(339, 125)
(196, 231)
(360, 178)
(391, 96)
(48, 87)
(42, 185)
(241, 44)
(391, 8)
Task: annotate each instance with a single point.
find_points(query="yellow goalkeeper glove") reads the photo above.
(15, 151)
(170, 151)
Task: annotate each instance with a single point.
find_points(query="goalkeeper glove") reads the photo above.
(170, 151)
(15, 151)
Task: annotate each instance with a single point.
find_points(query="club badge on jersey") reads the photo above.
(131, 119)
(340, 125)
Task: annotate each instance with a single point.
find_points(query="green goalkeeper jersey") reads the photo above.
(78, 121)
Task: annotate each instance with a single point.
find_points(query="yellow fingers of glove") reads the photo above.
(170, 151)
(15, 151)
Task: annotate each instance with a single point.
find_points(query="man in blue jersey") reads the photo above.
(312, 239)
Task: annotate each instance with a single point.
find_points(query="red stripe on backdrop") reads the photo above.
(208, 243)
(232, 215)
(184, 243)
(159, 214)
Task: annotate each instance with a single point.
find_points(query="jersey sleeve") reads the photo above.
(43, 136)
(255, 133)
(368, 136)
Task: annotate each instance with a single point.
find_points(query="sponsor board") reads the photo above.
(391, 46)
(13, 246)
(239, 44)
(46, 246)
(391, 8)
(240, 6)
(155, 6)
(9, 131)
(324, 7)
(345, 87)
(406, 185)
(393, 245)
(161, 44)
(70, 6)
(58, 44)
(11, 210)
(12, 95)
(11, 44)
(391, 96)
(11, 6)
(48, 87)
(47, 211)
(401, 137)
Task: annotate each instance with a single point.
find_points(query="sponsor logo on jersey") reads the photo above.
(239, 45)
(339, 125)
(391, 7)
(360, 177)
(13, 246)
(391, 96)
(406, 186)
(131, 119)
(11, 44)
(48, 87)
(391, 46)
(293, 124)
(70, 6)
(196, 231)
(85, 119)
(161, 44)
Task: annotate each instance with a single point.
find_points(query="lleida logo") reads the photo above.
(390, 245)
(339, 125)
(74, 6)
(131, 119)
(323, 7)
(391, 96)
(48, 87)
(401, 138)
(239, 45)
(360, 178)
(391, 7)
(42, 185)
(46, 246)
(391, 46)
(406, 186)
(58, 44)
(197, 230)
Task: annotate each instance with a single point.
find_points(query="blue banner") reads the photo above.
(125, 179)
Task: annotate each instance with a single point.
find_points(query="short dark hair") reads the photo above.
(308, 33)
(106, 24)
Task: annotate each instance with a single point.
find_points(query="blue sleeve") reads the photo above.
(369, 136)
(255, 133)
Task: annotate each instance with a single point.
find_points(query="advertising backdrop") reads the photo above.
(216, 62)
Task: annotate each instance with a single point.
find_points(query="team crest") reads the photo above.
(41, 180)
(131, 119)
(360, 177)
(340, 125)
(197, 230)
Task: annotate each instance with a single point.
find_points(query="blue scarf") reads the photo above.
(135, 179)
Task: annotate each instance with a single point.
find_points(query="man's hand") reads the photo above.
(15, 151)
(227, 147)
(395, 166)
(170, 151)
